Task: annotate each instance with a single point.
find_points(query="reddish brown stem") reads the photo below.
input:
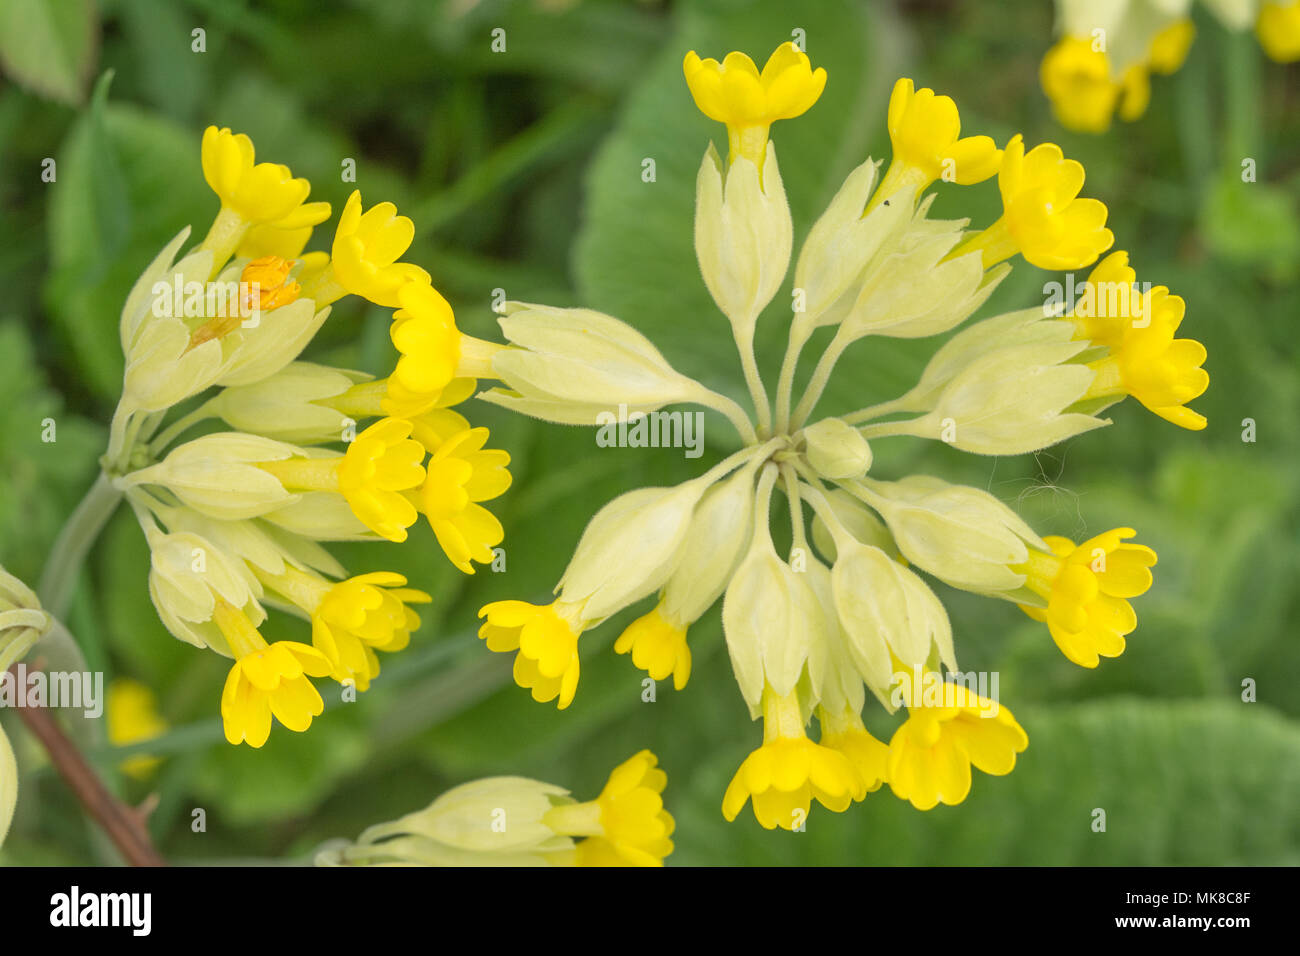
(123, 825)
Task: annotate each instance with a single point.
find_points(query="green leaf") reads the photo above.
(49, 45)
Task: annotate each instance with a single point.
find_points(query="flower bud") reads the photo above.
(743, 234)
(842, 243)
(913, 291)
(218, 476)
(836, 449)
(284, 407)
(573, 363)
(769, 615)
(887, 613)
(629, 548)
(1013, 401)
(961, 535)
(466, 818)
(720, 527)
(1025, 327)
(188, 574)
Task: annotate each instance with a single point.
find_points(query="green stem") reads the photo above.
(73, 543)
(877, 411)
(820, 377)
(757, 391)
(800, 332)
(728, 407)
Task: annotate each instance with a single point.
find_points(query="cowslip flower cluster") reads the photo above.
(235, 518)
(1103, 61)
(810, 632)
(514, 821)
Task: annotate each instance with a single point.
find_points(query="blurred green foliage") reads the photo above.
(523, 172)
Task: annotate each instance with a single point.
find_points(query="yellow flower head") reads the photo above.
(258, 193)
(366, 249)
(1160, 371)
(460, 474)
(1076, 78)
(1087, 589)
(1108, 302)
(925, 130)
(1278, 29)
(547, 642)
(132, 714)
(634, 827)
(734, 92)
(361, 615)
(868, 756)
(379, 465)
(1169, 48)
(783, 776)
(931, 754)
(266, 680)
(424, 332)
(658, 647)
(1042, 218)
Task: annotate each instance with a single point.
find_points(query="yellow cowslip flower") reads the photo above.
(931, 754)
(1042, 218)
(1086, 587)
(1169, 48)
(658, 646)
(461, 473)
(132, 713)
(784, 775)
(352, 619)
(424, 332)
(515, 821)
(546, 637)
(845, 733)
(266, 680)
(925, 131)
(1076, 78)
(627, 824)
(381, 463)
(734, 92)
(251, 193)
(267, 239)
(366, 249)
(1160, 371)
(1278, 29)
(1105, 309)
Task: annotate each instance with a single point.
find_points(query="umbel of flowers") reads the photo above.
(809, 634)
(295, 453)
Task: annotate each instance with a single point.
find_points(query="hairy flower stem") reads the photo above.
(820, 377)
(757, 391)
(800, 333)
(73, 543)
